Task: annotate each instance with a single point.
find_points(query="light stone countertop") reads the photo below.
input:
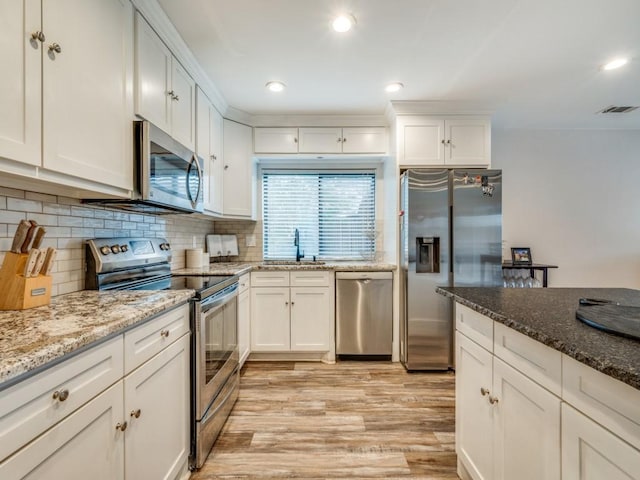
(30, 339)
(239, 268)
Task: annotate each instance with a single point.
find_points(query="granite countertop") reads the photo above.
(548, 315)
(242, 268)
(29, 339)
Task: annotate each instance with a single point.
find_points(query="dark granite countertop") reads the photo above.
(548, 315)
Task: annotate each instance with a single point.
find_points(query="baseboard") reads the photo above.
(286, 356)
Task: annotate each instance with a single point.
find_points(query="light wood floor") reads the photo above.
(349, 420)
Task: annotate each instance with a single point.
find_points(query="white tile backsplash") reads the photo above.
(69, 223)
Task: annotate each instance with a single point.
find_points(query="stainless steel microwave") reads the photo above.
(168, 175)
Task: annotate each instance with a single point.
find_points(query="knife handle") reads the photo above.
(31, 262)
(20, 236)
(48, 262)
(38, 236)
(42, 254)
(26, 246)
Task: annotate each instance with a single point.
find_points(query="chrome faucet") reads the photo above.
(296, 242)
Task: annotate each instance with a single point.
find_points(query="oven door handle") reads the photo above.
(215, 301)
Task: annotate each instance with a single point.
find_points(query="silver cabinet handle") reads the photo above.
(493, 400)
(339, 140)
(484, 391)
(449, 142)
(136, 413)
(171, 93)
(293, 303)
(54, 47)
(286, 303)
(164, 333)
(213, 157)
(61, 395)
(121, 426)
(344, 140)
(38, 35)
(295, 140)
(226, 167)
(442, 141)
(176, 98)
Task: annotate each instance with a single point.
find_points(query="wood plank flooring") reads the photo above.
(350, 420)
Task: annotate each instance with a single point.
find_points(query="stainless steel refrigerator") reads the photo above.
(451, 235)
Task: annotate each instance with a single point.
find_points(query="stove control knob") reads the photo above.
(115, 248)
(162, 246)
(124, 248)
(105, 250)
(167, 246)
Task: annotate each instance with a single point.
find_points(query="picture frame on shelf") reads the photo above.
(521, 256)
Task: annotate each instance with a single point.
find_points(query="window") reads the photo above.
(333, 212)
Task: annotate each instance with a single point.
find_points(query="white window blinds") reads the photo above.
(333, 212)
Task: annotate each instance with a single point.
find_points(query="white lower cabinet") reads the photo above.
(156, 398)
(244, 317)
(590, 452)
(515, 421)
(81, 419)
(284, 318)
(85, 445)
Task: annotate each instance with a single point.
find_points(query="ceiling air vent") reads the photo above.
(613, 109)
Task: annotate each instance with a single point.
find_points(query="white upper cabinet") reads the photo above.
(239, 171)
(65, 92)
(165, 93)
(275, 140)
(209, 148)
(20, 94)
(451, 140)
(320, 140)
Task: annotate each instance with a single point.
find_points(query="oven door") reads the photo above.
(170, 172)
(216, 346)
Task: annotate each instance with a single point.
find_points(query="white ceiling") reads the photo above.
(534, 62)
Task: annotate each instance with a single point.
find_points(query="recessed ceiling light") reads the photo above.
(343, 23)
(613, 64)
(275, 86)
(394, 87)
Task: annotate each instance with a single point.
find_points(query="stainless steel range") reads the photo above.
(145, 264)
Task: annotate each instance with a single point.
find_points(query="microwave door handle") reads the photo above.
(194, 200)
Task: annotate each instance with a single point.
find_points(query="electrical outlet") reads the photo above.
(251, 240)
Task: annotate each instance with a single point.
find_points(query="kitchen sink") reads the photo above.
(292, 262)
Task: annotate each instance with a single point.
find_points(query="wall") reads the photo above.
(573, 196)
(69, 223)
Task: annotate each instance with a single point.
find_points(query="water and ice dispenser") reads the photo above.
(427, 254)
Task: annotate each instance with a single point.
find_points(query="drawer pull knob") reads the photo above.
(484, 391)
(54, 47)
(493, 400)
(136, 413)
(121, 426)
(38, 36)
(61, 395)
(164, 333)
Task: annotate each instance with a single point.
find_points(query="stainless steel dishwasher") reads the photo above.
(364, 313)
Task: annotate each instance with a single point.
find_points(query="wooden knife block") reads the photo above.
(18, 292)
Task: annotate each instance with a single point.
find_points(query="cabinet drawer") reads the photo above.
(270, 279)
(608, 401)
(537, 361)
(310, 279)
(29, 408)
(244, 282)
(143, 342)
(474, 325)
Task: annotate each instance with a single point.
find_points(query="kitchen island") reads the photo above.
(539, 394)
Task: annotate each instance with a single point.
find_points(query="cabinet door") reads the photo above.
(275, 140)
(183, 106)
(238, 170)
(87, 103)
(311, 319)
(216, 162)
(589, 452)
(20, 94)
(153, 76)
(364, 140)
(320, 140)
(156, 399)
(468, 141)
(474, 415)
(86, 445)
(244, 325)
(420, 141)
(526, 427)
(270, 319)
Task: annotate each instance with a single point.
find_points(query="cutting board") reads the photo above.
(618, 319)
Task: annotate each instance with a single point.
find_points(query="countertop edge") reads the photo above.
(241, 268)
(600, 364)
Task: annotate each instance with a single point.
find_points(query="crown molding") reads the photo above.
(440, 107)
